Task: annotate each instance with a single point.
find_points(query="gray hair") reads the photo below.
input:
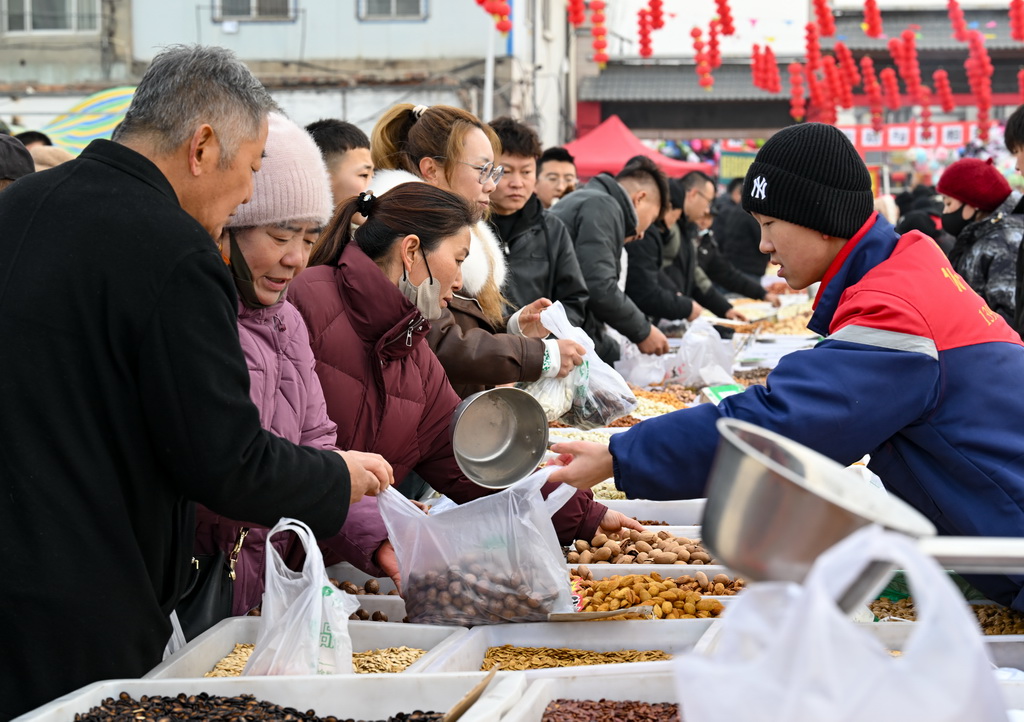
(188, 85)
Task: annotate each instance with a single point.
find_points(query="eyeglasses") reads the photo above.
(487, 170)
(710, 200)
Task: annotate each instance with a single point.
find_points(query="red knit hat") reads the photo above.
(976, 183)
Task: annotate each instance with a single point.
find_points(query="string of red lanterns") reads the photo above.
(658, 14)
(979, 75)
(872, 19)
(891, 88)
(926, 112)
(813, 48)
(797, 102)
(725, 17)
(826, 23)
(1017, 19)
(644, 32)
(703, 66)
(956, 18)
(501, 11)
(874, 93)
(598, 32)
(1020, 84)
(847, 65)
(714, 46)
(943, 90)
(577, 11)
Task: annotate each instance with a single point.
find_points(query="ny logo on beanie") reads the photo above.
(760, 186)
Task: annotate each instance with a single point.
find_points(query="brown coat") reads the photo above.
(475, 357)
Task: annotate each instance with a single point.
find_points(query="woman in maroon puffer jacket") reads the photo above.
(367, 305)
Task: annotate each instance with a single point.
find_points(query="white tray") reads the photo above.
(592, 684)
(364, 696)
(670, 635)
(391, 605)
(201, 654)
(685, 512)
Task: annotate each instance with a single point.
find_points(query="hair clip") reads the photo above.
(420, 110)
(364, 203)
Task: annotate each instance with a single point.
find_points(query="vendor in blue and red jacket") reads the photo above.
(914, 369)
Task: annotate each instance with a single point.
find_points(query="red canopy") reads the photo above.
(608, 146)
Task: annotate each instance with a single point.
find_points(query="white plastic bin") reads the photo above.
(201, 654)
(670, 635)
(364, 696)
(391, 605)
(684, 512)
(593, 684)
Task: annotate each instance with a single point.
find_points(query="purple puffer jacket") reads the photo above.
(286, 390)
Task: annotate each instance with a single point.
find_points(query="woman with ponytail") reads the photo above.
(368, 301)
(450, 148)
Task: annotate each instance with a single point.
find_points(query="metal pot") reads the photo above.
(774, 505)
(499, 436)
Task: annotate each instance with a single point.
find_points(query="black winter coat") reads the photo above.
(739, 237)
(682, 272)
(125, 395)
(650, 289)
(722, 272)
(541, 260)
(599, 218)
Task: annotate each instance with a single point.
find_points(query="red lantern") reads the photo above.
(847, 64)
(956, 19)
(872, 19)
(755, 65)
(577, 11)
(813, 48)
(837, 83)
(504, 25)
(926, 112)
(797, 102)
(891, 87)
(725, 17)
(702, 60)
(1017, 19)
(598, 30)
(657, 14)
(826, 23)
(772, 77)
(907, 64)
(644, 33)
(943, 91)
(714, 51)
(491, 6)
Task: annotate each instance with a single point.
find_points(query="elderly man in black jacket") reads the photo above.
(601, 217)
(538, 251)
(125, 392)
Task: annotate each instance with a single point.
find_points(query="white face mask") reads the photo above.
(426, 296)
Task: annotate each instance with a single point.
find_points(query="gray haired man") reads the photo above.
(125, 392)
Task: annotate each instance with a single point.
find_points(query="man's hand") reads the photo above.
(570, 355)
(615, 521)
(735, 315)
(584, 463)
(388, 561)
(696, 312)
(773, 298)
(655, 343)
(529, 319)
(369, 474)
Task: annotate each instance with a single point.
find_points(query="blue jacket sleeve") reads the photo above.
(841, 399)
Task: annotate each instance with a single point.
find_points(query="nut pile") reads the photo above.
(624, 422)
(752, 377)
(214, 708)
(468, 595)
(370, 586)
(661, 398)
(361, 615)
(992, 618)
(578, 435)
(650, 522)
(233, 664)
(576, 710)
(886, 608)
(520, 658)
(688, 395)
(606, 490)
(650, 407)
(721, 585)
(636, 547)
(669, 599)
(390, 659)
(794, 325)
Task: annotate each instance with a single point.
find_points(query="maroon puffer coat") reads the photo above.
(388, 394)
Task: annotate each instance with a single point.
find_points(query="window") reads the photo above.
(392, 9)
(253, 10)
(42, 16)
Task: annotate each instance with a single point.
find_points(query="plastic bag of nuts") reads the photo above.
(494, 559)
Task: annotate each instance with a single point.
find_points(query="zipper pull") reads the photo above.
(408, 336)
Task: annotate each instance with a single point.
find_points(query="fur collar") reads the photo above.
(485, 257)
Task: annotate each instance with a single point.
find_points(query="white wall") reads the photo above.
(325, 29)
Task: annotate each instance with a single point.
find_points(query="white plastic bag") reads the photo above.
(702, 359)
(601, 395)
(553, 395)
(304, 624)
(643, 369)
(494, 559)
(786, 653)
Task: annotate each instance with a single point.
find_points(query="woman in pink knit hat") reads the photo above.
(267, 243)
(978, 211)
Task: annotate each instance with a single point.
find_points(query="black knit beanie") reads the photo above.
(811, 175)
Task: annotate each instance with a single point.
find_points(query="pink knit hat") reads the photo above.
(292, 184)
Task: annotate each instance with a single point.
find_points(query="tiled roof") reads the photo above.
(671, 84)
(932, 27)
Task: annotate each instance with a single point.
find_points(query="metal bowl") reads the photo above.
(774, 505)
(499, 436)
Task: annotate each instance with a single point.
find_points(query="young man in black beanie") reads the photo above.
(904, 371)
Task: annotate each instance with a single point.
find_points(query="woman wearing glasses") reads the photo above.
(451, 149)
